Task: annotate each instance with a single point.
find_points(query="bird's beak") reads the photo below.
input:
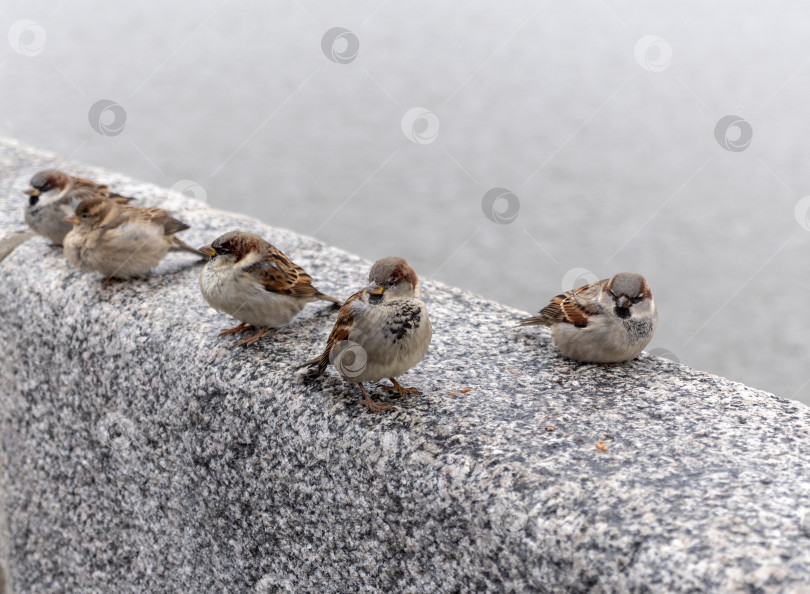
(31, 192)
(72, 219)
(623, 301)
(374, 289)
(208, 251)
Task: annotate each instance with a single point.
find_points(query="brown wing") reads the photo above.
(340, 332)
(157, 216)
(84, 188)
(572, 307)
(76, 195)
(88, 184)
(119, 198)
(279, 274)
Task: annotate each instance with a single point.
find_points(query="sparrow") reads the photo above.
(54, 195)
(607, 321)
(118, 240)
(254, 282)
(381, 331)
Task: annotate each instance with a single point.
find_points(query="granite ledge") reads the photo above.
(143, 453)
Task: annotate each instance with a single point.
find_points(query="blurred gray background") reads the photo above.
(604, 120)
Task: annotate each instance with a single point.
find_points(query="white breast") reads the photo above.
(394, 337)
(232, 291)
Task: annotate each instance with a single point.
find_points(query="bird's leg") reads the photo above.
(240, 328)
(399, 388)
(375, 406)
(106, 282)
(263, 331)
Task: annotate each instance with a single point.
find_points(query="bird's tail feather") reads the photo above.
(321, 361)
(533, 321)
(178, 245)
(329, 298)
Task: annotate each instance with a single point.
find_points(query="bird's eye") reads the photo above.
(392, 282)
(220, 250)
(84, 215)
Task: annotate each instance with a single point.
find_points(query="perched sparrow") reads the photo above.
(121, 241)
(54, 195)
(254, 282)
(608, 321)
(381, 331)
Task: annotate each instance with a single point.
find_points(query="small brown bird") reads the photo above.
(251, 280)
(54, 195)
(381, 331)
(121, 241)
(608, 321)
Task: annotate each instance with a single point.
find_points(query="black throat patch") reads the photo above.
(622, 312)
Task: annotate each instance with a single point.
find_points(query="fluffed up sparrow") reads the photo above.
(381, 332)
(121, 241)
(254, 282)
(608, 321)
(54, 195)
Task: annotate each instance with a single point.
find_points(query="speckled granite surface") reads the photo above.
(145, 454)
